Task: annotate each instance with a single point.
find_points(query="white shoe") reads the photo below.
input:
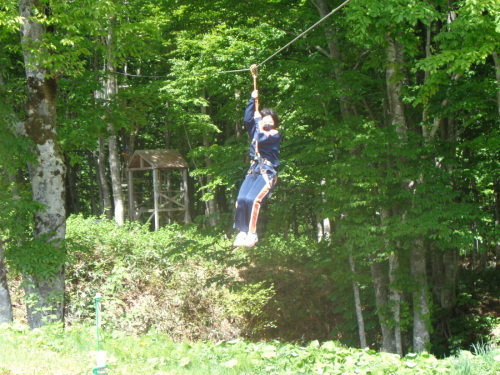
(240, 239)
(251, 239)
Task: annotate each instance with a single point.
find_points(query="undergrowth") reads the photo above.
(191, 285)
(175, 281)
(53, 349)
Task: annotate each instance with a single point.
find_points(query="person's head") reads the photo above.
(269, 116)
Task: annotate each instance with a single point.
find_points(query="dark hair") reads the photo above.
(272, 113)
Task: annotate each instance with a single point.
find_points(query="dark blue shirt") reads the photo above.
(269, 144)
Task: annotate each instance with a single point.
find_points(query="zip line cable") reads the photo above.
(141, 76)
(304, 32)
(271, 56)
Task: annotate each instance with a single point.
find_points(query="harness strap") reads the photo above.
(263, 172)
(257, 153)
(264, 161)
(258, 162)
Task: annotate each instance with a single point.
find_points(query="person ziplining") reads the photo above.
(262, 126)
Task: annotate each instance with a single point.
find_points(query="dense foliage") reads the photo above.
(390, 158)
(190, 284)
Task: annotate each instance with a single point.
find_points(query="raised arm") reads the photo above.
(250, 113)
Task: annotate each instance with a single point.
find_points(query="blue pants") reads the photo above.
(254, 189)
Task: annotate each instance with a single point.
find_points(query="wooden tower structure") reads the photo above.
(158, 187)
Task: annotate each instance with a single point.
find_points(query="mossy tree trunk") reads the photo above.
(44, 288)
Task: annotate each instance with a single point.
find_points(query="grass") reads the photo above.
(42, 351)
(70, 351)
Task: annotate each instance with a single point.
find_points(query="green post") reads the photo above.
(100, 355)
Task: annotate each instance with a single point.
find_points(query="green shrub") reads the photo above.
(174, 280)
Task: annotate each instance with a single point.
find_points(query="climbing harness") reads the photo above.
(256, 168)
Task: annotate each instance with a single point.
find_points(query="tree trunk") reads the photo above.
(104, 193)
(444, 277)
(323, 228)
(323, 225)
(497, 222)
(237, 123)
(211, 204)
(72, 199)
(211, 209)
(421, 310)
(334, 54)
(100, 158)
(497, 76)
(111, 89)
(116, 184)
(6, 315)
(497, 182)
(395, 301)
(47, 175)
(394, 84)
(380, 283)
(357, 303)
(92, 180)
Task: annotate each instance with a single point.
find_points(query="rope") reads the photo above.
(271, 56)
(304, 32)
(138, 75)
(233, 71)
(253, 70)
(141, 76)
